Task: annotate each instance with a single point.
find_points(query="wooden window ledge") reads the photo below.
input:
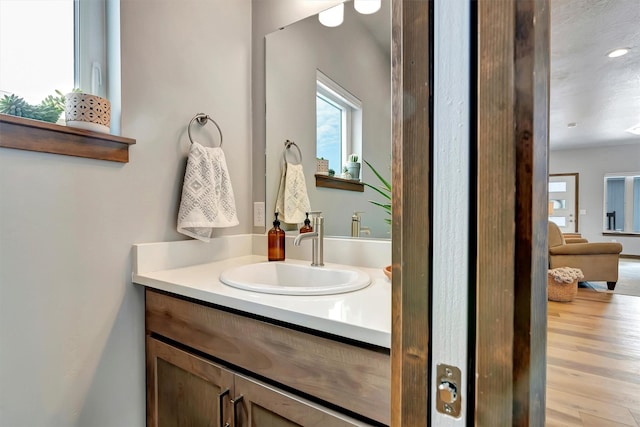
(35, 135)
(339, 183)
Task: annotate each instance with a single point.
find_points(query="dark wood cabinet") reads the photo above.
(266, 406)
(185, 388)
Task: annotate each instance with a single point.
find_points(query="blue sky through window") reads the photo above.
(329, 133)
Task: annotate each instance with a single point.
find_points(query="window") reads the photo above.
(338, 122)
(622, 203)
(49, 45)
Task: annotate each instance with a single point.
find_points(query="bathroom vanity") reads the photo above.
(222, 356)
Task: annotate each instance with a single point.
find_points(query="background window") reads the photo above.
(636, 204)
(622, 203)
(49, 45)
(615, 203)
(37, 48)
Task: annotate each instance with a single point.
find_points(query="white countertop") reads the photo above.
(363, 315)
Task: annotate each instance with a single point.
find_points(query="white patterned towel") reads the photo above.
(293, 201)
(207, 196)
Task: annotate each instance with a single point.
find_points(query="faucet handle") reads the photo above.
(315, 213)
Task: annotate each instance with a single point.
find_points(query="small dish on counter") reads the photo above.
(387, 271)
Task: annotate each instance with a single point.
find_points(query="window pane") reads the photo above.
(329, 133)
(36, 47)
(561, 221)
(558, 187)
(615, 204)
(636, 204)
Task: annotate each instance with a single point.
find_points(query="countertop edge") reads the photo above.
(217, 293)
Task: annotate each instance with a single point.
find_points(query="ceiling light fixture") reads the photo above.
(572, 125)
(367, 7)
(332, 17)
(618, 52)
(635, 129)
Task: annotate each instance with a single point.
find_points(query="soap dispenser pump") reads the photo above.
(275, 237)
(306, 228)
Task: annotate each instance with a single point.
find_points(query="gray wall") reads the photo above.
(71, 322)
(592, 164)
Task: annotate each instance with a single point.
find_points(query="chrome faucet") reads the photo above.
(317, 248)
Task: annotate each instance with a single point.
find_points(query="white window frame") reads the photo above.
(351, 108)
(90, 46)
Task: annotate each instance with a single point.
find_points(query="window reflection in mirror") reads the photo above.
(338, 123)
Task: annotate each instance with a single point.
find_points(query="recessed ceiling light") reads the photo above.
(635, 129)
(572, 125)
(618, 52)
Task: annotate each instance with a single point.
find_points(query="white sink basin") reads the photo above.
(295, 279)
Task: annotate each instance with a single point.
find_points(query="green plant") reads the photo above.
(332, 172)
(48, 110)
(383, 189)
(353, 158)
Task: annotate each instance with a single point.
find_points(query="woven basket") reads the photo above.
(561, 291)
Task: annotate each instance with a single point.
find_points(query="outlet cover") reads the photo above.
(258, 214)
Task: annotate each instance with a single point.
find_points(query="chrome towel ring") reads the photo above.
(202, 120)
(287, 146)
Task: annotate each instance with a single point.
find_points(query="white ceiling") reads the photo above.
(600, 94)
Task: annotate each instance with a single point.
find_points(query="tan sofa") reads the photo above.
(598, 261)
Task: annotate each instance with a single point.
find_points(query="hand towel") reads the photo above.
(293, 201)
(207, 196)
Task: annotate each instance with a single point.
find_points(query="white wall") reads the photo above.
(592, 164)
(349, 56)
(71, 322)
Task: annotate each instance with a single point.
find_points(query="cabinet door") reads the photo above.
(265, 406)
(184, 390)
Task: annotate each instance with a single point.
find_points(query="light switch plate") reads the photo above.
(258, 214)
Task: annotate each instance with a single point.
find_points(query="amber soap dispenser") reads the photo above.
(306, 228)
(275, 236)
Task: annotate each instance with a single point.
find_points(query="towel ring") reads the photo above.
(202, 120)
(287, 146)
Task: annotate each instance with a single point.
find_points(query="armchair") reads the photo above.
(598, 261)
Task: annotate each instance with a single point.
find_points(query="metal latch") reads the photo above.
(448, 398)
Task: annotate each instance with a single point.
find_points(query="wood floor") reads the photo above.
(593, 361)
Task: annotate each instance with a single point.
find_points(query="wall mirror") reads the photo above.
(356, 55)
